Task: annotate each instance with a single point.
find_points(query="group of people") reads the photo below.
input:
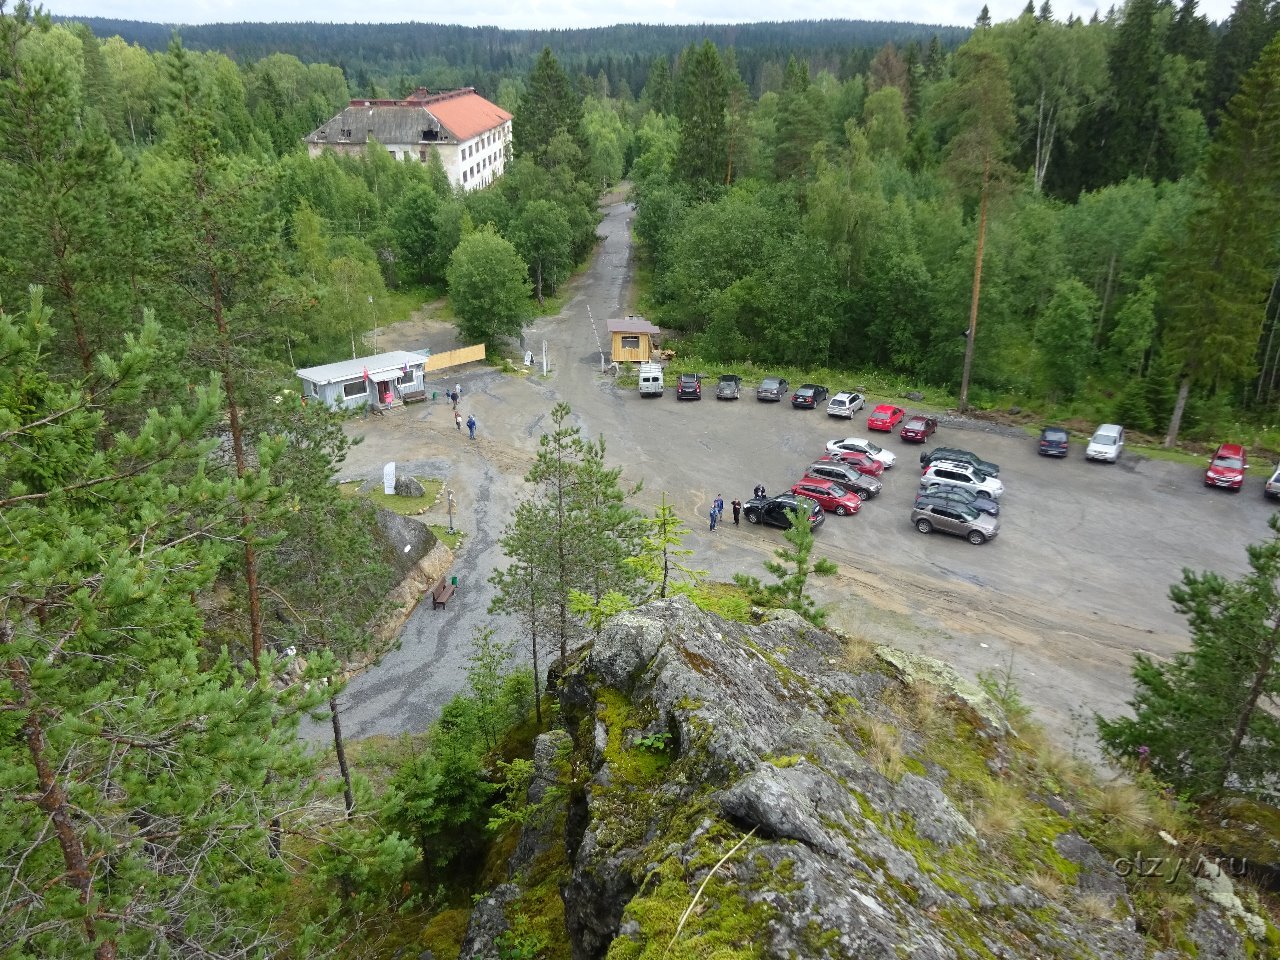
(717, 510)
(457, 417)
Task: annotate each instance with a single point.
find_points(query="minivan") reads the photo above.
(1106, 443)
(651, 380)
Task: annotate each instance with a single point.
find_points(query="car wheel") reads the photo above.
(924, 526)
(977, 538)
(841, 511)
(753, 518)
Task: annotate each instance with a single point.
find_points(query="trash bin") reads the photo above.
(453, 581)
(433, 394)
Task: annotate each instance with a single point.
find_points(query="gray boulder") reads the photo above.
(409, 487)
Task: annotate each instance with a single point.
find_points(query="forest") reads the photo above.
(1089, 207)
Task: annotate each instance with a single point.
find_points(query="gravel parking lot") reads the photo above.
(1075, 583)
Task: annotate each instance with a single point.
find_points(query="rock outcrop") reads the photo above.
(764, 790)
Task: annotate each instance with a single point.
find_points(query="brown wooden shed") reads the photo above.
(631, 339)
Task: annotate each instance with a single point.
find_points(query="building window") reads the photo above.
(345, 134)
(630, 343)
(357, 388)
(393, 154)
(464, 176)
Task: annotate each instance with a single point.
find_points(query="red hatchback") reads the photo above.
(885, 417)
(1227, 467)
(862, 462)
(829, 495)
(918, 429)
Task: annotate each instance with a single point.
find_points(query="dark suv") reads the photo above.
(961, 456)
(808, 396)
(689, 387)
(847, 476)
(1054, 442)
(772, 511)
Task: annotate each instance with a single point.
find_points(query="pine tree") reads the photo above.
(702, 96)
(792, 570)
(138, 773)
(1221, 270)
(1247, 32)
(1205, 721)
(550, 106)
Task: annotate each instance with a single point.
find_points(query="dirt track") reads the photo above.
(1075, 583)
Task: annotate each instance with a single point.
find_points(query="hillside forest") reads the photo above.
(174, 545)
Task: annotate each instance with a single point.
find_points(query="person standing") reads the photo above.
(737, 510)
(454, 398)
(457, 392)
(719, 508)
(457, 418)
(713, 516)
(471, 426)
(758, 492)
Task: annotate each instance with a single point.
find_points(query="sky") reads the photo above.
(568, 14)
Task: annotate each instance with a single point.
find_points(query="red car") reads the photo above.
(885, 417)
(1227, 467)
(862, 462)
(918, 429)
(829, 495)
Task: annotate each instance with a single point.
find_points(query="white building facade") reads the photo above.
(471, 135)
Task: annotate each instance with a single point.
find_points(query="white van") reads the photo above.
(1106, 443)
(651, 384)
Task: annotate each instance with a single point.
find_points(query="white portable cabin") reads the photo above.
(384, 379)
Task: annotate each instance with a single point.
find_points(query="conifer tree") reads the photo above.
(1205, 721)
(550, 106)
(702, 96)
(792, 570)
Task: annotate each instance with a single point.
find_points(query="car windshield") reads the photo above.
(769, 384)
(1231, 463)
(1104, 440)
(915, 423)
(835, 490)
(969, 513)
(1055, 435)
(805, 392)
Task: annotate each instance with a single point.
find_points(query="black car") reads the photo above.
(1053, 442)
(849, 478)
(689, 387)
(729, 387)
(771, 388)
(949, 493)
(772, 511)
(963, 456)
(808, 396)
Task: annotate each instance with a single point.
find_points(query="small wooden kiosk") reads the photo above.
(631, 339)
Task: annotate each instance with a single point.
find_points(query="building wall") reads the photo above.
(638, 354)
(471, 164)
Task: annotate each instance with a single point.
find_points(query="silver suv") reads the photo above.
(962, 475)
(849, 478)
(955, 518)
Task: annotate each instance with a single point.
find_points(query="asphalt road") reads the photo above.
(1075, 583)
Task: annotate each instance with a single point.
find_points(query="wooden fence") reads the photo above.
(454, 358)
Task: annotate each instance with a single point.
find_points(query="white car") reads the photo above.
(1106, 443)
(1272, 489)
(860, 445)
(962, 475)
(845, 404)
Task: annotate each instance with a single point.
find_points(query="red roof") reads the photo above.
(468, 115)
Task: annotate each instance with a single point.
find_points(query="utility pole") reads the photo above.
(449, 501)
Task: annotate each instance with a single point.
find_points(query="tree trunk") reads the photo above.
(1267, 662)
(1106, 300)
(977, 287)
(533, 643)
(53, 801)
(1175, 421)
(1271, 332)
(340, 748)
(538, 270)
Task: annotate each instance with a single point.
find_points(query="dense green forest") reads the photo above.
(171, 255)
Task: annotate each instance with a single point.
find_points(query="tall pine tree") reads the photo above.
(702, 96)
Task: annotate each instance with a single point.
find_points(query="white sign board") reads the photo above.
(389, 478)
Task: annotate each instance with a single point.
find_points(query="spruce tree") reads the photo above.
(702, 96)
(550, 106)
(1205, 721)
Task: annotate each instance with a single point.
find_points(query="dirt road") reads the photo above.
(1075, 583)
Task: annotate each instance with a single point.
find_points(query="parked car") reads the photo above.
(808, 396)
(962, 475)
(771, 388)
(861, 445)
(845, 404)
(1272, 489)
(885, 417)
(829, 495)
(859, 461)
(918, 429)
(689, 387)
(827, 469)
(1106, 443)
(952, 518)
(772, 511)
(964, 456)
(1227, 467)
(951, 493)
(1054, 442)
(729, 387)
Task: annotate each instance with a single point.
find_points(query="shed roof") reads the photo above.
(632, 324)
(377, 364)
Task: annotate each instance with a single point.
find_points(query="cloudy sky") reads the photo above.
(568, 13)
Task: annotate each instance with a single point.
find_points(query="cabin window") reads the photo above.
(357, 388)
(630, 343)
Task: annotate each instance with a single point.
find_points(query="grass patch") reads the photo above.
(405, 506)
(450, 540)
(723, 599)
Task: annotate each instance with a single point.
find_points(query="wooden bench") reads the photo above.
(441, 593)
(413, 396)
